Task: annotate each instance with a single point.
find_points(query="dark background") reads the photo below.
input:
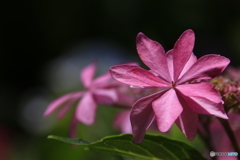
(39, 31)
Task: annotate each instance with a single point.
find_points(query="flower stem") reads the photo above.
(230, 134)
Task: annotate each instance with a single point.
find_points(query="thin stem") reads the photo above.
(230, 134)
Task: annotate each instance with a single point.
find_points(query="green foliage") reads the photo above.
(153, 147)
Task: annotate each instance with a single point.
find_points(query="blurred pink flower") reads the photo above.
(97, 91)
(178, 74)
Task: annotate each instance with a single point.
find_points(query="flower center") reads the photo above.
(173, 84)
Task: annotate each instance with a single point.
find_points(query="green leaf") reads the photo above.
(153, 147)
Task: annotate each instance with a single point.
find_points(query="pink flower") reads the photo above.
(178, 74)
(98, 91)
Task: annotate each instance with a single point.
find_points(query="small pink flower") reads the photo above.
(98, 91)
(178, 74)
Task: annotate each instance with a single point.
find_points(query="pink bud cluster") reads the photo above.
(229, 90)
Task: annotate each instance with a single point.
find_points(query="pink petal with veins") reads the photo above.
(153, 55)
(87, 75)
(182, 51)
(146, 77)
(202, 98)
(142, 115)
(206, 67)
(60, 101)
(188, 64)
(188, 122)
(122, 74)
(86, 109)
(169, 56)
(167, 108)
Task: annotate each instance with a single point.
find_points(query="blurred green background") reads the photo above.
(46, 43)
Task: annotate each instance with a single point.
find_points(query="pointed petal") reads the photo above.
(87, 74)
(86, 109)
(187, 122)
(153, 55)
(182, 51)
(167, 108)
(189, 64)
(147, 77)
(122, 73)
(142, 116)
(105, 96)
(206, 67)
(60, 101)
(101, 80)
(202, 98)
(169, 56)
(66, 107)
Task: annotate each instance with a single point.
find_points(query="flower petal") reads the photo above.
(86, 109)
(169, 56)
(122, 121)
(167, 108)
(66, 107)
(189, 63)
(87, 74)
(142, 115)
(147, 77)
(105, 96)
(60, 101)
(187, 122)
(202, 98)
(153, 55)
(182, 51)
(122, 73)
(206, 67)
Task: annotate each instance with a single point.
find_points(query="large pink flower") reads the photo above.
(99, 91)
(179, 74)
